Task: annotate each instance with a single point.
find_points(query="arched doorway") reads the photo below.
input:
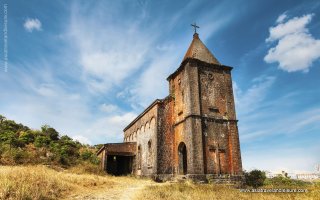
(182, 151)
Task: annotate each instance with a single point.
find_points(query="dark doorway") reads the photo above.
(182, 150)
(119, 165)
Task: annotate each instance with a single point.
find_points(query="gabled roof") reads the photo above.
(199, 51)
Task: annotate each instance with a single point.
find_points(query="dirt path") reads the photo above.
(119, 191)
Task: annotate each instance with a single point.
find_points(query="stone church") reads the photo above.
(191, 133)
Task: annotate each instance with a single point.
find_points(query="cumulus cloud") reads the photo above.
(296, 48)
(32, 24)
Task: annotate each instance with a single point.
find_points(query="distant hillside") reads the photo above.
(21, 145)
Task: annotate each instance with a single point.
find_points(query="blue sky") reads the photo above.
(88, 69)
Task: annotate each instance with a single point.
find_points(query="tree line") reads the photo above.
(21, 145)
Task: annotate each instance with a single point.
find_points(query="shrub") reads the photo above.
(42, 141)
(26, 137)
(13, 156)
(284, 181)
(50, 132)
(90, 156)
(255, 178)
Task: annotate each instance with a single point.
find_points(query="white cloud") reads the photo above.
(109, 54)
(281, 18)
(41, 99)
(296, 49)
(109, 128)
(292, 26)
(82, 139)
(152, 83)
(249, 100)
(32, 24)
(108, 108)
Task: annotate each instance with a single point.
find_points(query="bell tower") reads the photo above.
(206, 139)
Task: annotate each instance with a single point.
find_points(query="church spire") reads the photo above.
(199, 51)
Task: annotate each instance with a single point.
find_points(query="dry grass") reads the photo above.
(40, 182)
(190, 191)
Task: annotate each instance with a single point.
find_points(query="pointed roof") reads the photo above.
(199, 51)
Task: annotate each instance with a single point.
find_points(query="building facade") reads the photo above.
(192, 132)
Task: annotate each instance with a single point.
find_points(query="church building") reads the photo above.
(191, 133)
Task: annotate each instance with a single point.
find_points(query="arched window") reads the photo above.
(149, 160)
(138, 132)
(139, 157)
(152, 123)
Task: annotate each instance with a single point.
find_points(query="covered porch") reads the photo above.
(118, 158)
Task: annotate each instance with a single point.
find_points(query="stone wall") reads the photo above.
(165, 137)
(144, 132)
(222, 148)
(187, 127)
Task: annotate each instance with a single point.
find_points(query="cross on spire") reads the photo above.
(195, 27)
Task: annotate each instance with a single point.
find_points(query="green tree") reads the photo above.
(9, 137)
(2, 119)
(50, 132)
(42, 141)
(90, 156)
(26, 137)
(255, 178)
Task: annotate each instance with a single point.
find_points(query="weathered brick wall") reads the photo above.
(165, 137)
(235, 150)
(221, 134)
(143, 131)
(204, 118)
(187, 128)
(217, 148)
(216, 92)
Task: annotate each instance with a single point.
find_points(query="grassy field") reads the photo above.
(41, 182)
(190, 191)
